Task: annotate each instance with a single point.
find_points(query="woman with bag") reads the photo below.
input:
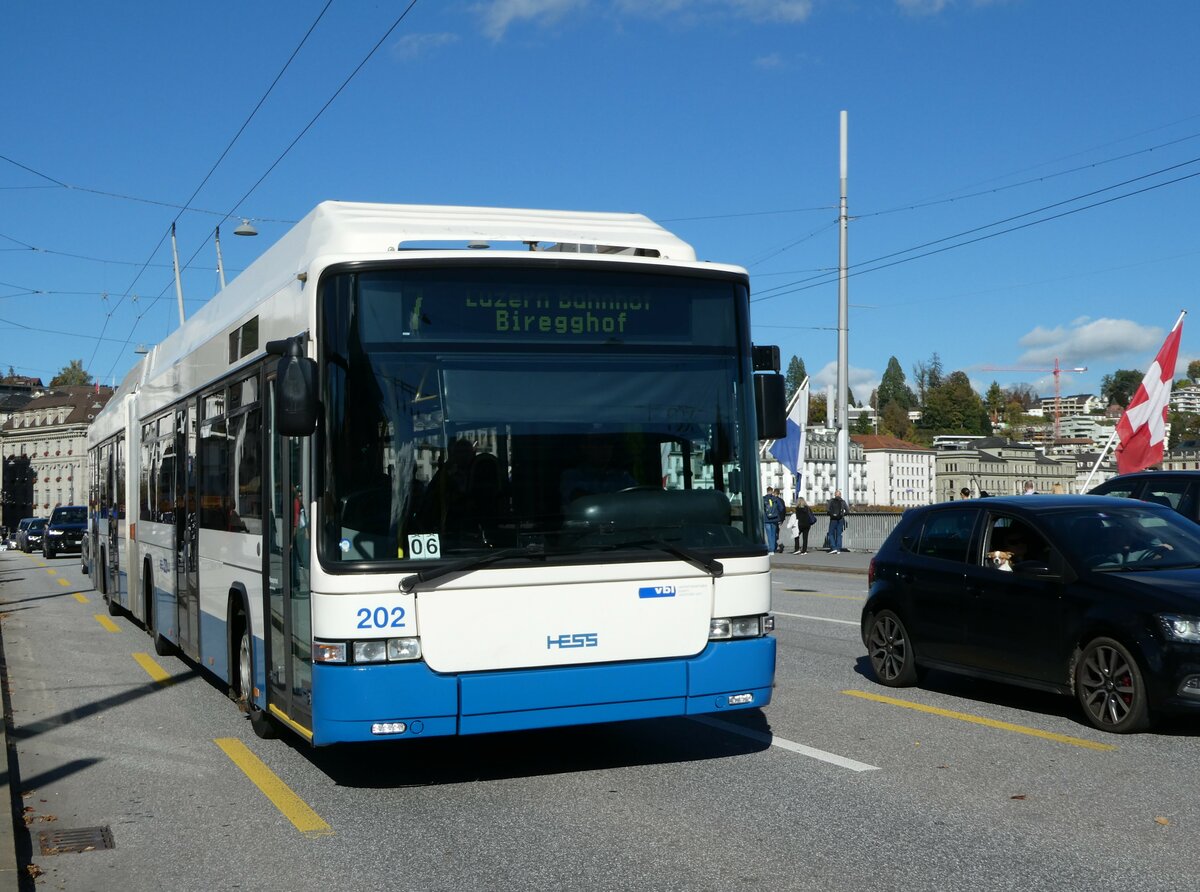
(799, 523)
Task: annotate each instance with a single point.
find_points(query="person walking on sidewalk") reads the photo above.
(773, 511)
(800, 521)
(837, 509)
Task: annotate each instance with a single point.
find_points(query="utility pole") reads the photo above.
(843, 362)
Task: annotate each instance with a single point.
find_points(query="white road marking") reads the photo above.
(784, 743)
(824, 619)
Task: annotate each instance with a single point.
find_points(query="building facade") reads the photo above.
(820, 471)
(43, 452)
(1001, 467)
(899, 473)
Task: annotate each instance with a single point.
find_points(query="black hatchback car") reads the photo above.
(1082, 595)
(1176, 489)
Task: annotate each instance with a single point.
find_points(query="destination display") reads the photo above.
(444, 305)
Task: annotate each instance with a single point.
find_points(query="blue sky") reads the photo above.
(717, 118)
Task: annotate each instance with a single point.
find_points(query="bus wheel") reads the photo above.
(114, 609)
(260, 722)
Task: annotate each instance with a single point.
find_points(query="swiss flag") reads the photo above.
(1142, 429)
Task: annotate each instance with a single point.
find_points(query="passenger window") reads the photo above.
(947, 535)
(1166, 492)
(1010, 541)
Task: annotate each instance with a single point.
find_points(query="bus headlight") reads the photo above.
(722, 628)
(403, 649)
(370, 651)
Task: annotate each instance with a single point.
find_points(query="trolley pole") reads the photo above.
(843, 361)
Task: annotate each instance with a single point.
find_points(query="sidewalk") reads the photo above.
(816, 559)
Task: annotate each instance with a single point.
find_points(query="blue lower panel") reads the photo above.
(348, 699)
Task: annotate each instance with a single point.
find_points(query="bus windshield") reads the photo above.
(477, 408)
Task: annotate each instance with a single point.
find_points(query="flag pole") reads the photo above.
(1096, 466)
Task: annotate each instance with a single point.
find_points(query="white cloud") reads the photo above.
(1090, 341)
(499, 14)
(922, 7)
(771, 60)
(862, 381)
(416, 46)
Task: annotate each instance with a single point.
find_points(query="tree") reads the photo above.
(894, 421)
(1120, 386)
(954, 407)
(994, 401)
(795, 375)
(893, 388)
(1023, 395)
(816, 408)
(862, 424)
(1184, 426)
(71, 374)
(927, 375)
(1193, 369)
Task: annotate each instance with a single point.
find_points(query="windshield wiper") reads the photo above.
(711, 566)
(408, 583)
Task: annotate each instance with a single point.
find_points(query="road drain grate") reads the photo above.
(88, 839)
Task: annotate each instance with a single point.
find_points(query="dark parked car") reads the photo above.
(1082, 595)
(29, 533)
(1175, 489)
(65, 530)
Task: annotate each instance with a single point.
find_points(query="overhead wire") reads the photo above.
(290, 145)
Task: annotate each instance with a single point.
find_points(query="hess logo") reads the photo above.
(578, 639)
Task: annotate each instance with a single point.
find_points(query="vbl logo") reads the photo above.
(579, 639)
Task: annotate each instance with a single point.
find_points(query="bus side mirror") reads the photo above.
(770, 405)
(296, 402)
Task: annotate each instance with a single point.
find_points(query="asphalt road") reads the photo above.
(839, 784)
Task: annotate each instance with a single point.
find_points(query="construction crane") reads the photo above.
(1057, 370)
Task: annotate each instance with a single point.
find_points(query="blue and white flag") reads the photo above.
(789, 451)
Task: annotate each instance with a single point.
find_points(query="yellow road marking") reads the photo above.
(979, 720)
(155, 671)
(81, 598)
(51, 572)
(106, 622)
(65, 583)
(289, 804)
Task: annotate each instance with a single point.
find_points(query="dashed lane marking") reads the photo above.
(81, 598)
(108, 624)
(824, 619)
(65, 583)
(289, 804)
(980, 720)
(784, 743)
(155, 671)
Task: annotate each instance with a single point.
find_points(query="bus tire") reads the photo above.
(260, 722)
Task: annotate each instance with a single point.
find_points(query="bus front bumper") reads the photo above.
(374, 702)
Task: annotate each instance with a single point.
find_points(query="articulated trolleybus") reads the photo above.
(424, 471)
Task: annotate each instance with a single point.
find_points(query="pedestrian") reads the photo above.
(1029, 490)
(799, 523)
(773, 511)
(837, 509)
(964, 493)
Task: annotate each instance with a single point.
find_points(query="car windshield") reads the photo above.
(70, 515)
(1128, 538)
(37, 526)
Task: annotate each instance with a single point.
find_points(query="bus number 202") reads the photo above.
(381, 618)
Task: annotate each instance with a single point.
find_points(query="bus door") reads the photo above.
(289, 549)
(187, 533)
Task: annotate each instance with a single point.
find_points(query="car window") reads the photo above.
(1136, 540)
(1009, 541)
(1175, 493)
(947, 535)
(1121, 489)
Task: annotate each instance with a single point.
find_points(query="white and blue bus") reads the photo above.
(424, 471)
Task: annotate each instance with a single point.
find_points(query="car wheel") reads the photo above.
(890, 649)
(1110, 688)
